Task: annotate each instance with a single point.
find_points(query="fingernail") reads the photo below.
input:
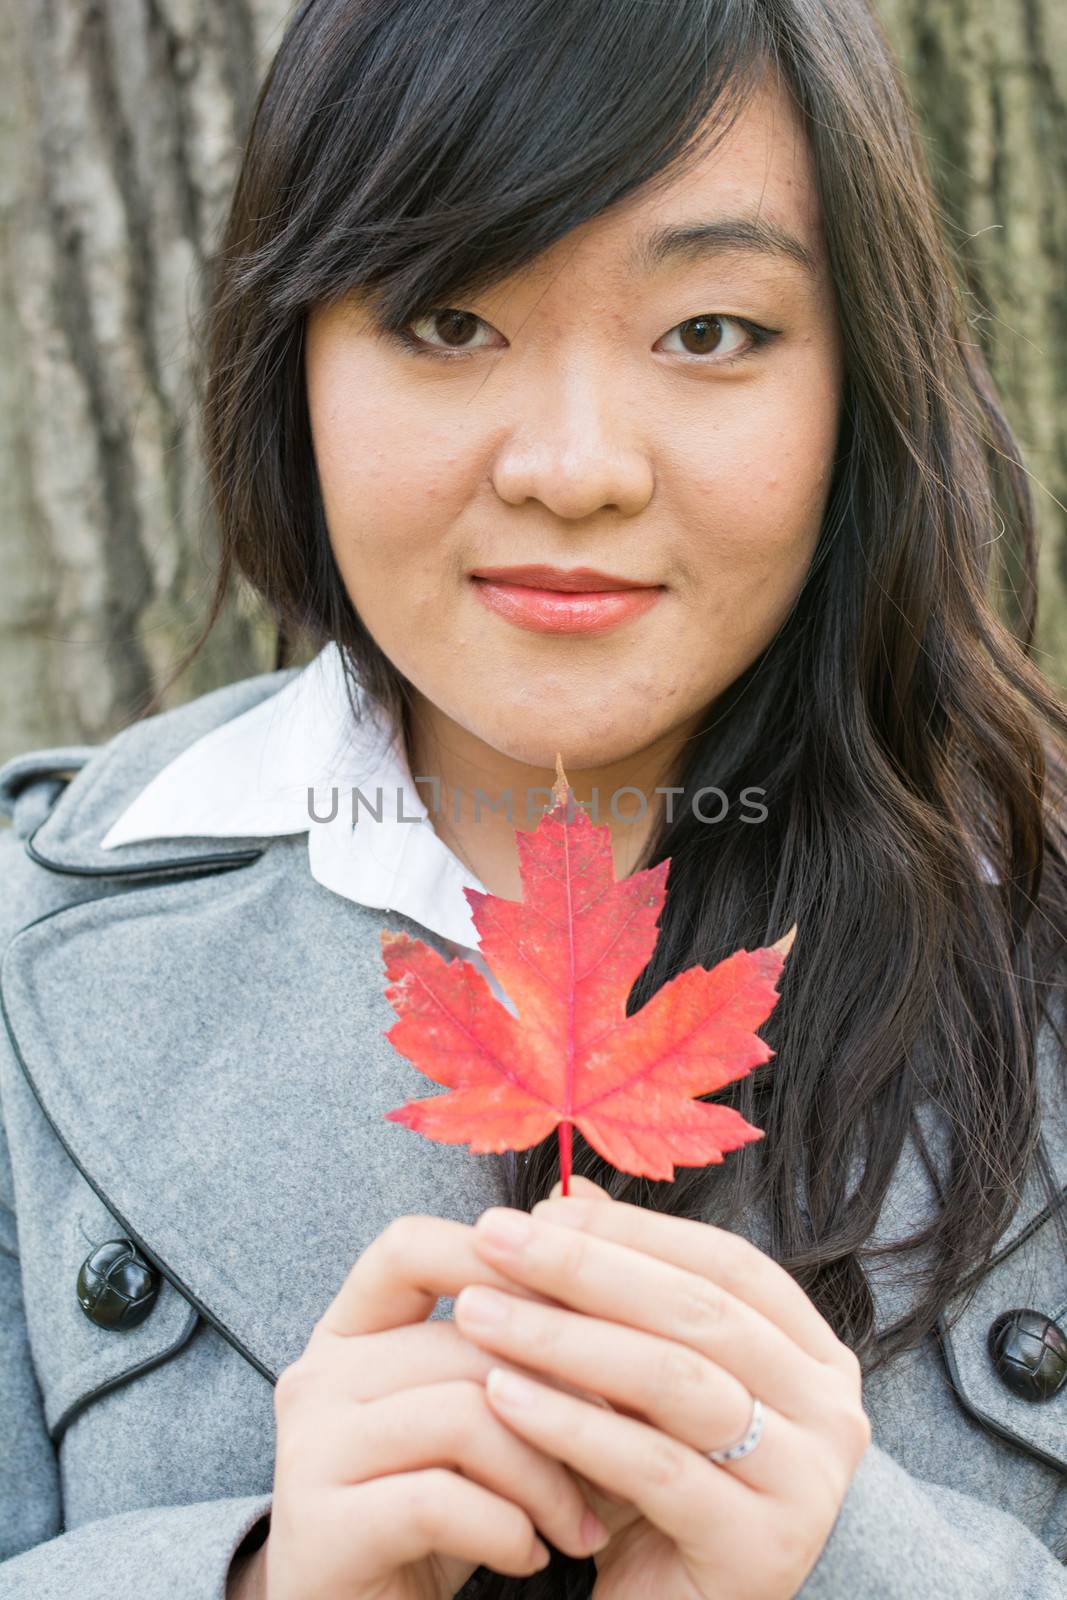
(592, 1531)
(481, 1307)
(509, 1389)
(511, 1229)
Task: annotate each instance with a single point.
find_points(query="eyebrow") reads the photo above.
(697, 241)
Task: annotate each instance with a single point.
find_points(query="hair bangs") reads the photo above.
(511, 123)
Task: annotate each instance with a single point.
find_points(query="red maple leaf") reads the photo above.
(567, 955)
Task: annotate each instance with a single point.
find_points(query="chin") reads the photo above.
(538, 748)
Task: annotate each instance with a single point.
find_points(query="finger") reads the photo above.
(452, 1425)
(622, 1285)
(404, 1271)
(411, 1515)
(385, 1362)
(724, 1258)
(579, 1187)
(680, 1491)
(657, 1380)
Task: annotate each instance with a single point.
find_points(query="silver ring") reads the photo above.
(748, 1443)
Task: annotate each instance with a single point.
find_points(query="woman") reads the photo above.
(656, 293)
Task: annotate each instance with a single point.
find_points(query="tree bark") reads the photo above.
(122, 122)
(989, 80)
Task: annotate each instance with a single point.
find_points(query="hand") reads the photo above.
(678, 1325)
(394, 1479)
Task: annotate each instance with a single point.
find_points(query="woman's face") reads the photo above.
(595, 410)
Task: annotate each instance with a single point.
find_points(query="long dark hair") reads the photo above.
(421, 150)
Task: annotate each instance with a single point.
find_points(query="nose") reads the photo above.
(573, 448)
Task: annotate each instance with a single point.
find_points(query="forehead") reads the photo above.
(749, 191)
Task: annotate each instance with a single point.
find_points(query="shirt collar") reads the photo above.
(250, 777)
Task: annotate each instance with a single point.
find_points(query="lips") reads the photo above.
(573, 580)
(578, 609)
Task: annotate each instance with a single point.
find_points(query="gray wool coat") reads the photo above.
(193, 1059)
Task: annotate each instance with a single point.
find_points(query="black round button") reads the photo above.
(117, 1287)
(1029, 1351)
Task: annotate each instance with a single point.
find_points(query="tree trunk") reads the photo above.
(123, 123)
(989, 79)
(120, 144)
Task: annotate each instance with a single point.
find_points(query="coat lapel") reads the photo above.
(210, 1051)
(67, 841)
(913, 1196)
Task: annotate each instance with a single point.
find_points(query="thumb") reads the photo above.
(585, 1187)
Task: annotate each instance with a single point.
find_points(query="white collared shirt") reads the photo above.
(250, 777)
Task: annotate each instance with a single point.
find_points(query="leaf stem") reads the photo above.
(564, 1131)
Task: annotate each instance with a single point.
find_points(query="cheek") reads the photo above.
(391, 494)
(755, 515)
(753, 527)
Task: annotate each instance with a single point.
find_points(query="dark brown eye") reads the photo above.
(452, 326)
(705, 334)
